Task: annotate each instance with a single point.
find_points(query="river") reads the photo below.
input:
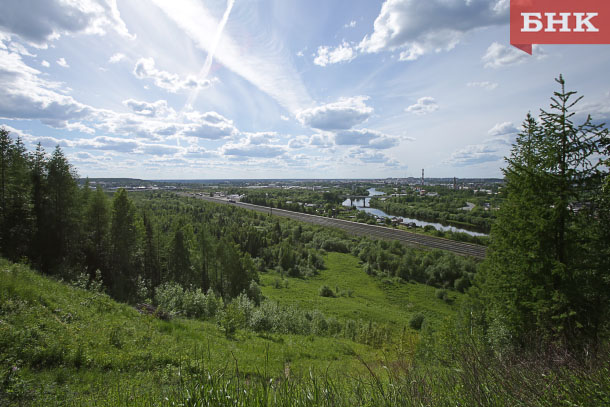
(420, 223)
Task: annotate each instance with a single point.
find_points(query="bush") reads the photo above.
(231, 318)
(326, 291)
(213, 303)
(255, 293)
(461, 284)
(441, 294)
(169, 297)
(194, 304)
(417, 321)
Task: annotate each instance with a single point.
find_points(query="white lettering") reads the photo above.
(551, 21)
(528, 20)
(580, 21)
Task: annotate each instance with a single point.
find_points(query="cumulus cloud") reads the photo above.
(155, 109)
(62, 62)
(484, 85)
(321, 140)
(298, 142)
(351, 24)
(423, 106)
(44, 63)
(27, 96)
(327, 55)
(118, 57)
(365, 138)
(502, 129)
(418, 27)
(145, 69)
(42, 21)
(256, 145)
(499, 55)
(502, 135)
(210, 131)
(372, 157)
(340, 115)
(473, 155)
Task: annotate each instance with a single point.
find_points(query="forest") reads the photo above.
(183, 301)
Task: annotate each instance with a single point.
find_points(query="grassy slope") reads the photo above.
(372, 299)
(70, 344)
(65, 340)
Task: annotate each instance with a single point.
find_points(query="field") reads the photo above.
(389, 301)
(61, 343)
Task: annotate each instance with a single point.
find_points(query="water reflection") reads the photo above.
(364, 206)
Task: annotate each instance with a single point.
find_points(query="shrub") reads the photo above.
(194, 304)
(231, 318)
(255, 293)
(461, 284)
(213, 303)
(326, 291)
(441, 294)
(169, 297)
(417, 321)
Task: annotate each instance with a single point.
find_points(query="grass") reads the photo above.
(372, 299)
(64, 346)
(65, 341)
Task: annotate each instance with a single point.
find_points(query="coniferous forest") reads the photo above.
(152, 298)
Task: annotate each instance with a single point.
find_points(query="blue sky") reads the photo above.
(280, 89)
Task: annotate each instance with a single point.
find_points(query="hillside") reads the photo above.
(64, 343)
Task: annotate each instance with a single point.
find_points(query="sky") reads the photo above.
(196, 89)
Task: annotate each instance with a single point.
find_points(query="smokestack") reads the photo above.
(422, 176)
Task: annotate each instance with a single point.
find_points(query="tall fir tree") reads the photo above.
(538, 279)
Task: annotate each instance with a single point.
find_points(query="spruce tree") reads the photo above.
(539, 280)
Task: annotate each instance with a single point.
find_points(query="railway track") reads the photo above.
(362, 229)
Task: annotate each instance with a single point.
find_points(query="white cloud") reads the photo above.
(264, 62)
(417, 27)
(484, 85)
(499, 56)
(366, 138)
(42, 21)
(340, 115)
(327, 55)
(423, 106)
(145, 69)
(27, 96)
(473, 155)
(210, 131)
(321, 140)
(155, 109)
(257, 145)
(62, 62)
(298, 142)
(118, 57)
(501, 129)
(284, 118)
(372, 157)
(351, 24)
(46, 64)
(491, 150)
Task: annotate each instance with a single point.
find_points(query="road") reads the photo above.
(362, 229)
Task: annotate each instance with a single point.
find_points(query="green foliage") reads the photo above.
(326, 291)
(544, 276)
(417, 321)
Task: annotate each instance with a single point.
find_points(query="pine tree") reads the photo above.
(537, 279)
(60, 223)
(97, 228)
(124, 239)
(19, 222)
